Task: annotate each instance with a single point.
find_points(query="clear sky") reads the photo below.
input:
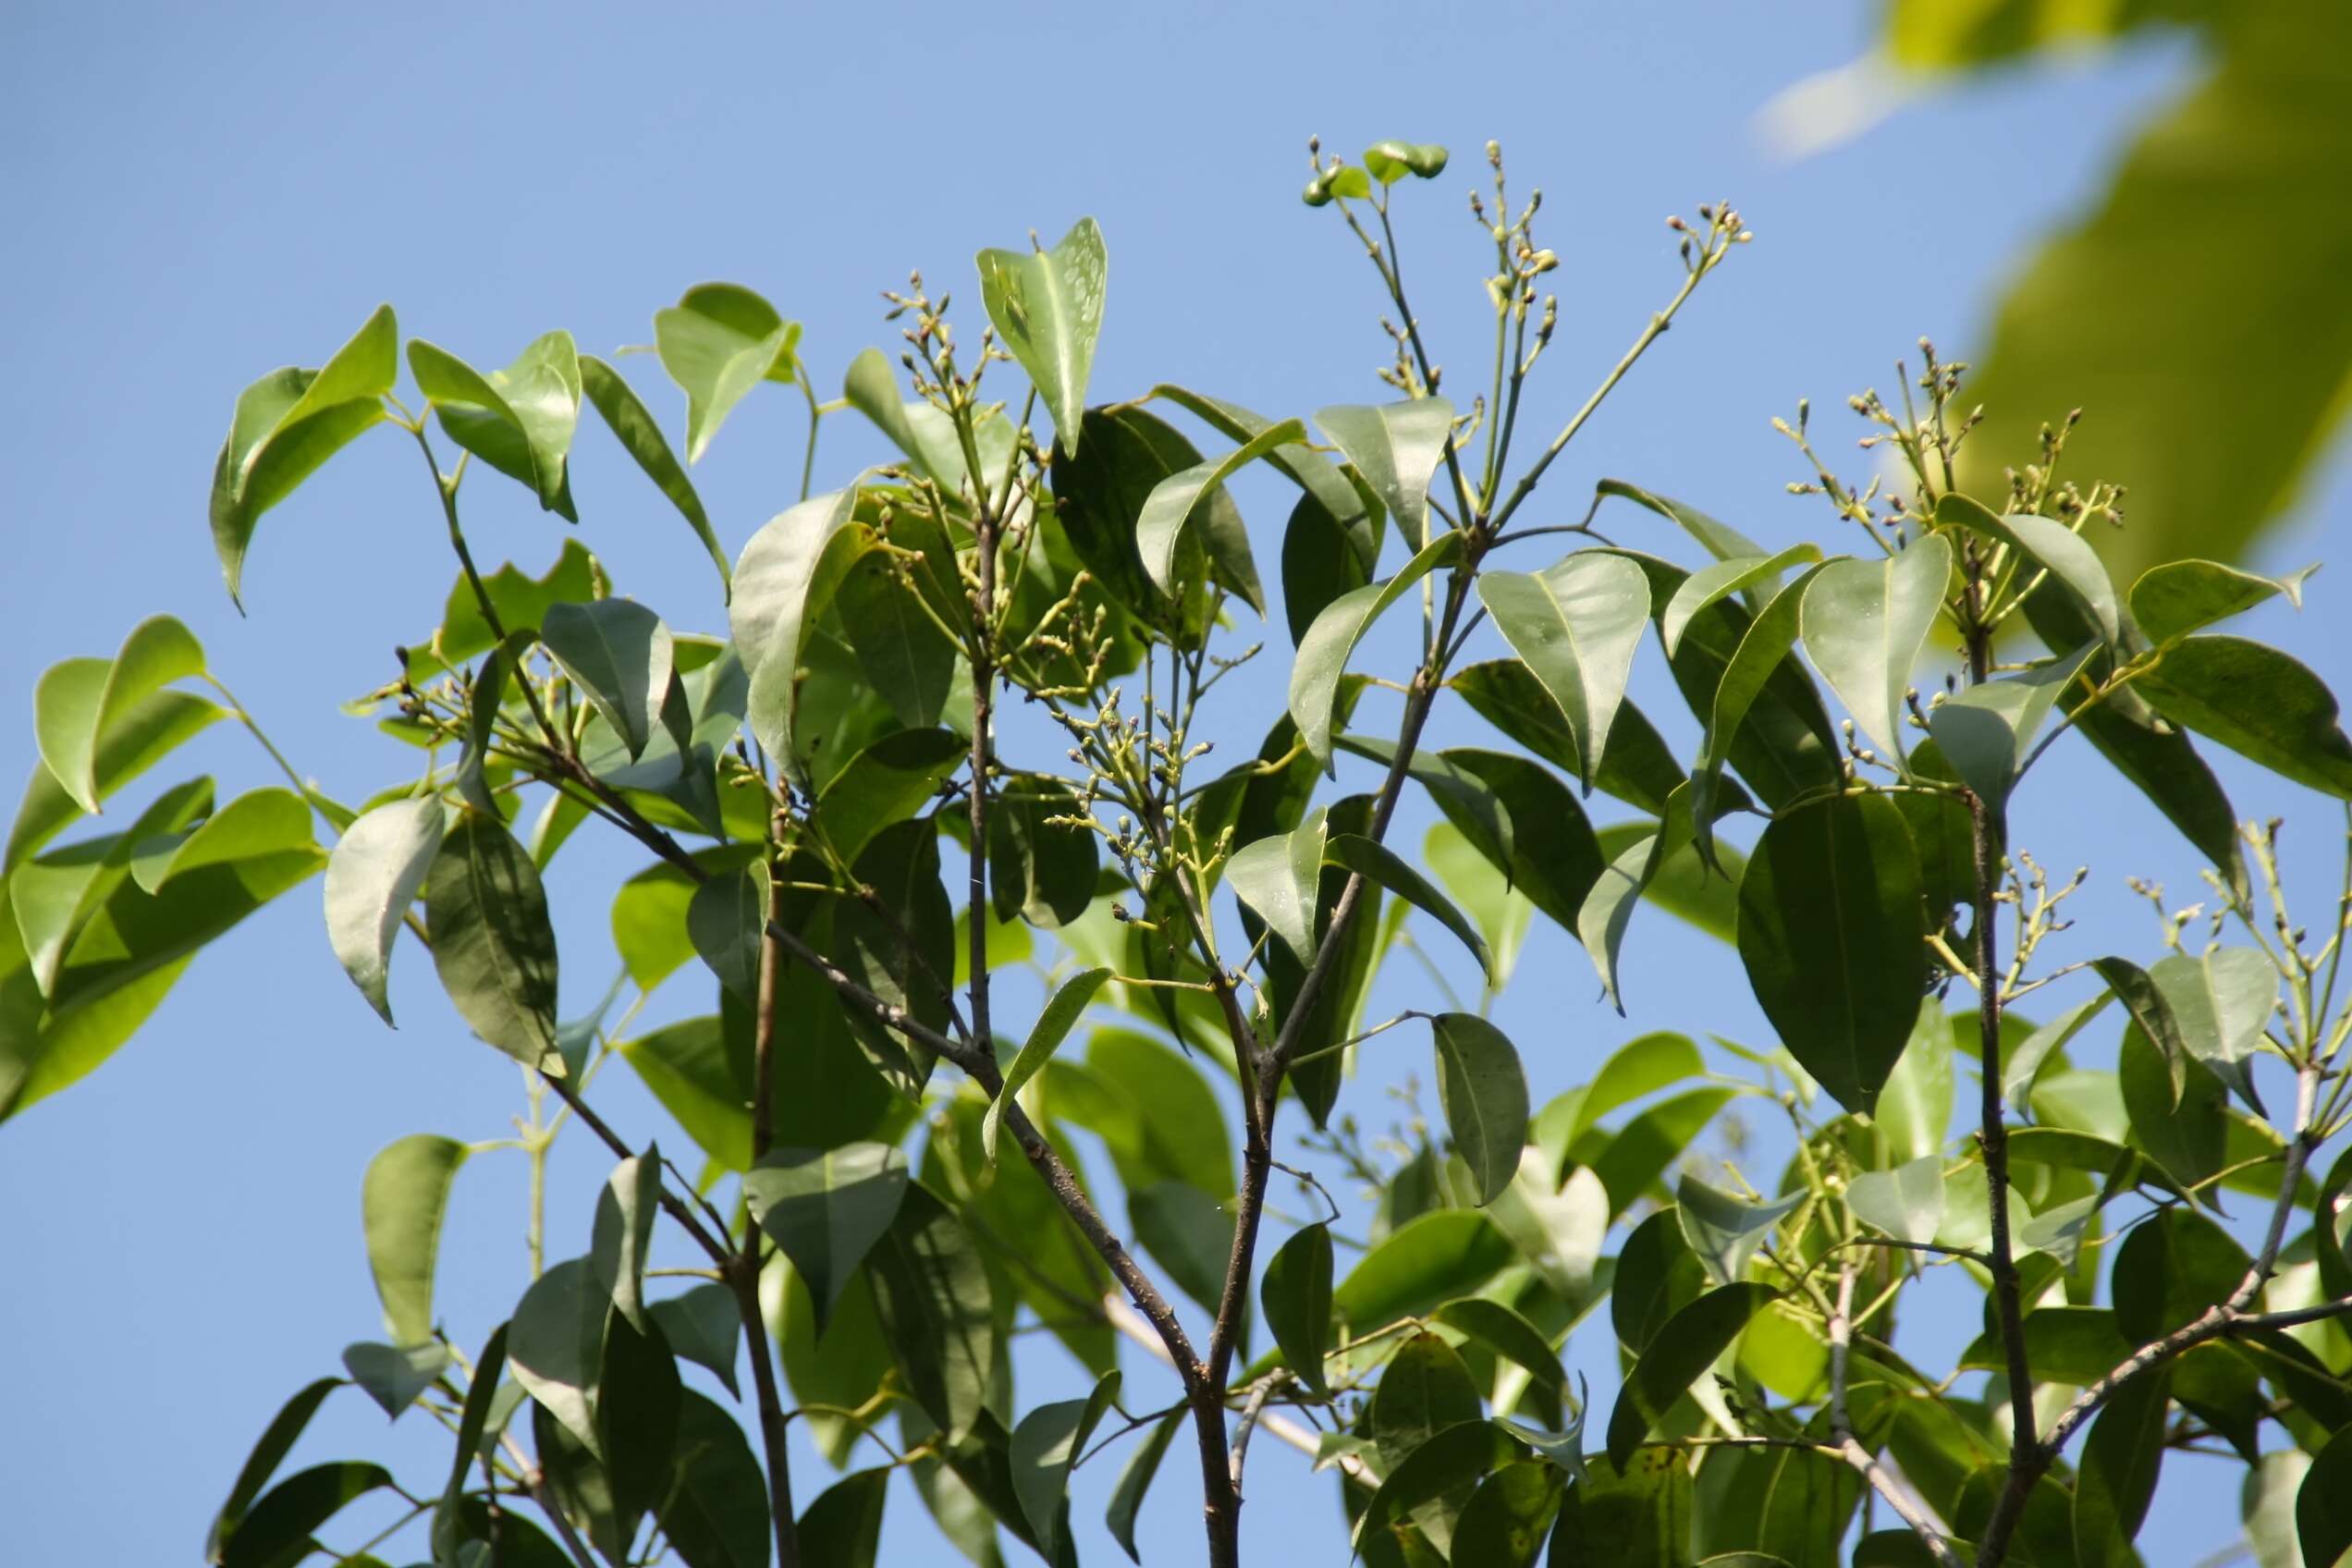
(194, 195)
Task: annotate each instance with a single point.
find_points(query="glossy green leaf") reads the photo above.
(703, 1325)
(403, 1199)
(936, 1305)
(642, 439)
(1657, 1276)
(556, 1343)
(1830, 933)
(1761, 652)
(1048, 310)
(1381, 864)
(827, 1209)
(1295, 1294)
(784, 578)
(1134, 1481)
(844, 1525)
(1046, 1443)
(2026, 1061)
(1505, 1520)
(717, 1512)
(1484, 1092)
(1577, 625)
(1396, 447)
(622, 1239)
(1864, 624)
(2259, 703)
(2176, 598)
(1719, 539)
(1276, 878)
(2170, 1270)
(1906, 1202)
(619, 654)
(719, 342)
(276, 1532)
(2182, 1129)
(1987, 732)
(1633, 869)
(1725, 1230)
(1712, 584)
(1174, 500)
(276, 1441)
(289, 422)
(1429, 1488)
(394, 1375)
(1638, 768)
(1421, 1265)
(726, 923)
(1323, 653)
(374, 875)
(1054, 1023)
(491, 941)
(2219, 1003)
(1915, 1109)
(2115, 1478)
(1680, 1354)
(1552, 858)
(1508, 1335)
(519, 419)
(1425, 1389)
(78, 701)
(2052, 547)
(1642, 1066)
(143, 734)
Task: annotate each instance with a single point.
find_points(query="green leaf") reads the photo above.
(1060, 1012)
(1388, 161)
(2324, 1502)
(1276, 878)
(1485, 1095)
(1477, 884)
(1426, 1389)
(80, 699)
(1381, 864)
(1761, 653)
(2117, 1476)
(1577, 625)
(2219, 1003)
(717, 1512)
(519, 419)
(1039, 870)
(936, 1305)
(491, 941)
(1431, 1486)
(1296, 1296)
(637, 1401)
(1323, 653)
(556, 1343)
(2027, 1061)
(1636, 1514)
(696, 1077)
(289, 422)
(2182, 1129)
(624, 1232)
(1136, 1479)
(1915, 1109)
(619, 654)
(1651, 1143)
(403, 1199)
(885, 784)
(276, 1532)
(276, 1441)
(727, 922)
(844, 1525)
(140, 736)
(1046, 1443)
(394, 1375)
(826, 1208)
(1552, 858)
(1154, 1110)
(1396, 447)
(1642, 1066)
(1723, 1231)
(1430, 1260)
(1509, 1335)
(1048, 310)
(1506, 1518)
(719, 342)
(374, 875)
(641, 436)
(1906, 1202)
(521, 603)
(1633, 869)
(1987, 732)
(1865, 623)
(1711, 585)
(1189, 1233)
(703, 1325)
(785, 577)
(901, 650)
(1637, 767)
(1719, 539)
(2052, 546)
(475, 1429)
(2259, 703)
(2173, 599)
(1680, 1355)
(1175, 499)
(1831, 935)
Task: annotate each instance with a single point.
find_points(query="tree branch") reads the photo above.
(1899, 1498)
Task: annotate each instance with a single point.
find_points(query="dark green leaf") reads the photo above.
(276, 1441)
(2171, 600)
(1637, 767)
(844, 1525)
(1379, 864)
(277, 1533)
(637, 1404)
(2323, 1503)
(1046, 1443)
(624, 1232)
(1420, 1265)
(2170, 1270)
(715, 1514)
(932, 1295)
(885, 784)
(1174, 500)
(1136, 1479)
(1396, 447)
(1189, 1233)
(827, 1209)
(1039, 870)
(2116, 1477)
(690, 1070)
(726, 920)
(491, 941)
(1636, 1514)
(393, 1375)
(1388, 161)
(641, 436)
(2186, 1133)
(1323, 653)
(1296, 1296)
(1485, 1095)
(1831, 935)
(2063, 1345)
(1678, 1356)
(1506, 1518)
(1062, 1010)
(704, 1325)
(2259, 703)
(402, 1200)
(619, 654)
(1651, 1143)
(1719, 539)
(1426, 1389)
(1508, 1335)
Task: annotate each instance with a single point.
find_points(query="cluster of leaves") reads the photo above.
(859, 1216)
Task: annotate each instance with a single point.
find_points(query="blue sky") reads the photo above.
(196, 195)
